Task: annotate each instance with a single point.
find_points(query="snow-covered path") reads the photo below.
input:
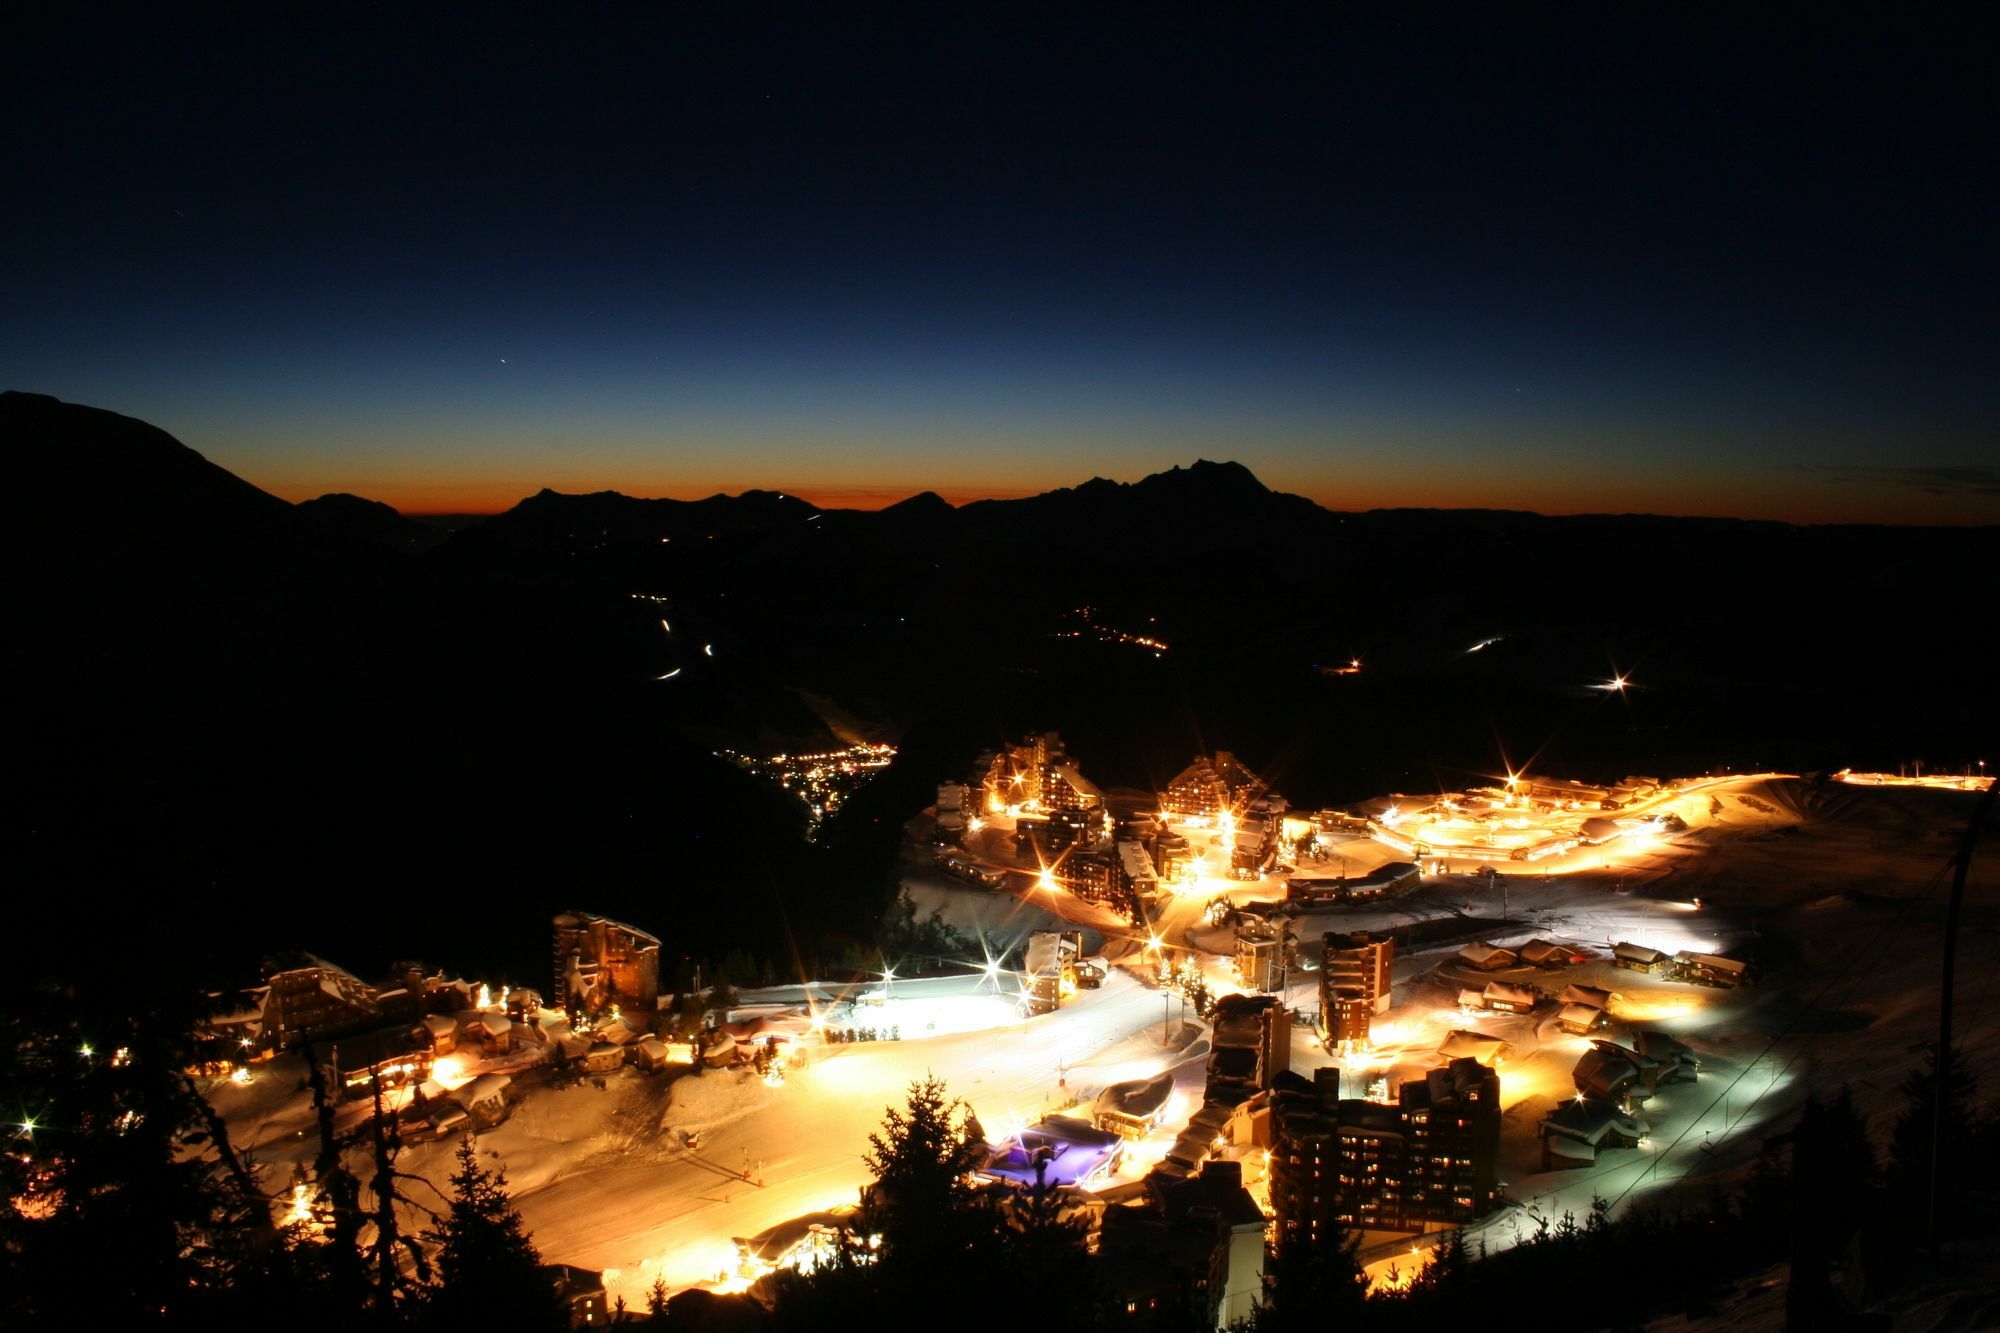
(673, 1215)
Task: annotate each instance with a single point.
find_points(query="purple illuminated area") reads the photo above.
(1068, 1152)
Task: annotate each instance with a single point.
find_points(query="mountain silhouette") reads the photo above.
(372, 521)
(248, 718)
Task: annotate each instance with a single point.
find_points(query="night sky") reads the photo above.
(1659, 261)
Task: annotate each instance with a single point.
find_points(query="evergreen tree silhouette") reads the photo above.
(489, 1272)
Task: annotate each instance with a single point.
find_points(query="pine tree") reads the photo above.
(1910, 1144)
(1313, 1285)
(935, 1226)
(489, 1272)
(1045, 1254)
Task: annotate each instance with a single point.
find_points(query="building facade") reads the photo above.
(600, 963)
(1354, 982)
(1424, 1163)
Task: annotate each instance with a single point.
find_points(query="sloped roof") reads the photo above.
(1140, 1097)
(1463, 1043)
(1580, 1015)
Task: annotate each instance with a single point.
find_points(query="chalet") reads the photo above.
(1465, 1044)
(1677, 1063)
(651, 1055)
(1709, 969)
(442, 1030)
(1637, 957)
(1595, 996)
(1583, 1008)
(603, 1057)
(1507, 998)
(582, 1292)
(1579, 1019)
(1611, 1073)
(1484, 957)
(492, 1030)
(485, 1100)
(1576, 1131)
(1547, 954)
(718, 1050)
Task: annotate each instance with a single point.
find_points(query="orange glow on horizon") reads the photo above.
(1783, 500)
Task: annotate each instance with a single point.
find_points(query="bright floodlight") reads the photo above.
(1153, 941)
(87, 1052)
(1046, 881)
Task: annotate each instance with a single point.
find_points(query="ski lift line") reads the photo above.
(1875, 946)
(1872, 946)
(671, 674)
(665, 626)
(1805, 1044)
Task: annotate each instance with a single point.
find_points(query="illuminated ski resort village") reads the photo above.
(806, 667)
(1203, 1021)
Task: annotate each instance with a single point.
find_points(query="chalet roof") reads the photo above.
(1594, 996)
(1483, 954)
(1580, 1015)
(1542, 951)
(1463, 1043)
(1589, 1120)
(482, 1089)
(1506, 992)
(1659, 1046)
(1637, 953)
(1461, 1076)
(1607, 1069)
(1714, 962)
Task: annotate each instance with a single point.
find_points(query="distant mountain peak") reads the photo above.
(922, 503)
(1232, 476)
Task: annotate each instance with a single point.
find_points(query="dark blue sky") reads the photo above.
(1658, 261)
